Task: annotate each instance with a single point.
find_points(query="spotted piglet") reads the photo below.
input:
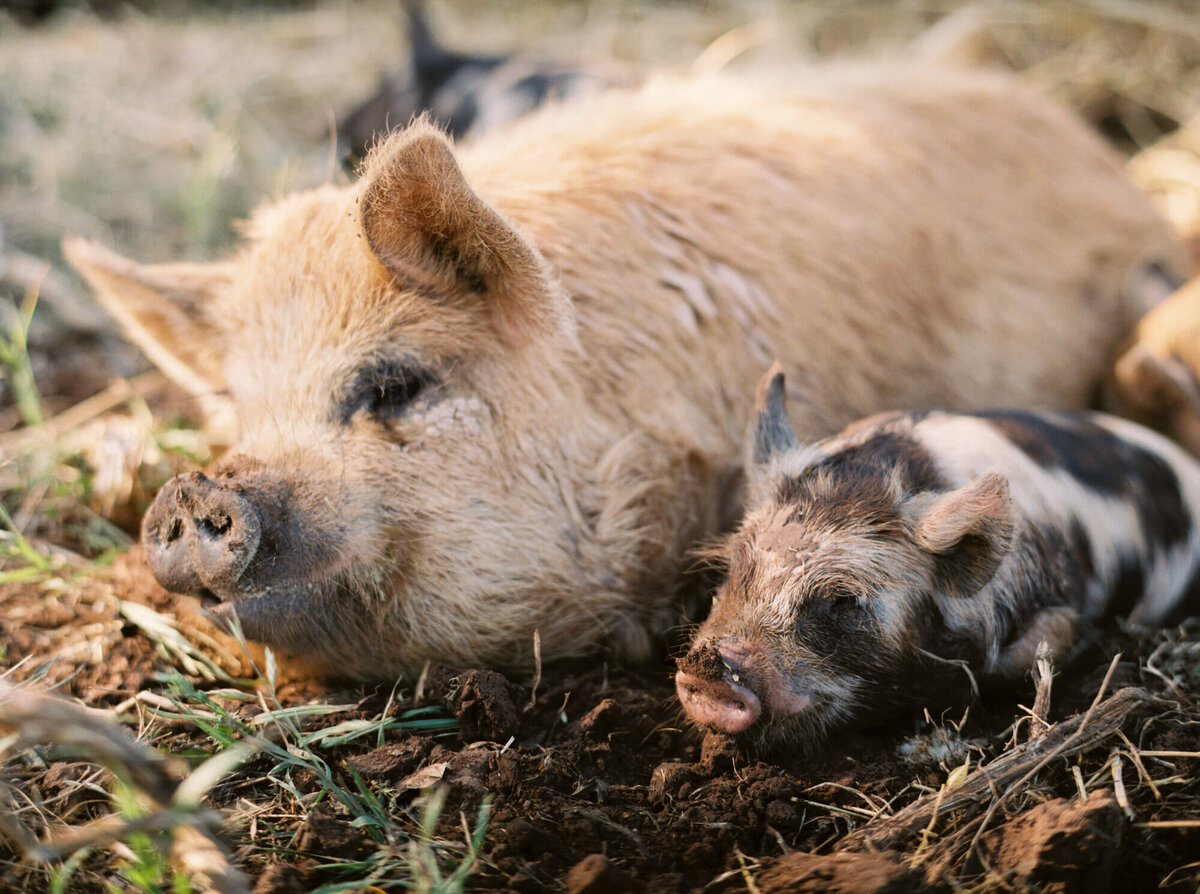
(871, 565)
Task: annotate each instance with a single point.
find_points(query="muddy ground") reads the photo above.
(595, 784)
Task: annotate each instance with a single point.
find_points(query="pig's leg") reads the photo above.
(1055, 626)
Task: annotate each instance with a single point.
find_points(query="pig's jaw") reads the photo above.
(303, 620)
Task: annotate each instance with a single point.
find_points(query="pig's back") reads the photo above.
(1123, 499)
(897, 237)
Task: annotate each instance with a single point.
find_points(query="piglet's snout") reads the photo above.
(200, 535)
(712, 690)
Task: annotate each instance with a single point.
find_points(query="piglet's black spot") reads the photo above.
(1106, 464)
(1051, 573)
(1081, 546)
(1188, 605)
(1128, 588)
(868, 468)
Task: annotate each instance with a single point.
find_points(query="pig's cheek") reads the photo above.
(452, 417)
(789, 703)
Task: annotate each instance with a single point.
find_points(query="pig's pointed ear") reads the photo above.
(424, 223)
(969, 530)
(163, 308)
(772, 432)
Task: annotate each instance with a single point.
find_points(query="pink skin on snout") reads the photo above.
(728, 704)
(721, 704)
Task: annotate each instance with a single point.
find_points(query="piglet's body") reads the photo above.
(870, 563)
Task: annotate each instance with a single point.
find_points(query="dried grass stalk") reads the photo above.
(1004, 776)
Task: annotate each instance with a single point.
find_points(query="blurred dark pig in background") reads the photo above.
(463, 92)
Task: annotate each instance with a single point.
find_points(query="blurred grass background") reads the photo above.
(155, 132)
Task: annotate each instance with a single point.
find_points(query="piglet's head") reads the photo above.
(852, 565)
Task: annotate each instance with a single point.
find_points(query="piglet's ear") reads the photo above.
(969, 530)
(165, 309)
(772, 432)
(425, 224)
(981, 508)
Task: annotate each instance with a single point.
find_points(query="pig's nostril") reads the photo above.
(215, 526)
(201, 536)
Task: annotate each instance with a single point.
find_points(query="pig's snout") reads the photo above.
(712, 691)
(200, 535)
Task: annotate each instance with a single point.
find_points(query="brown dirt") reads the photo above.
(603, 788)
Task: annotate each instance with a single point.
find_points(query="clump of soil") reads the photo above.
(703, 662)
(1062, 845)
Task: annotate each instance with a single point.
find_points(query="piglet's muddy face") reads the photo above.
(394, 356)
(837, 580)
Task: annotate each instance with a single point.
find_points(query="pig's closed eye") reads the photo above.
(844, 601)
(386, 390)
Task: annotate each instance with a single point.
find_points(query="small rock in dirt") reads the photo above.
(331, 837)
(394, 760)
(531, 841)
(485, 704)
(281, 878)
(1062, 846)
(507, 776)
(839, 874)
(466, 773)
(782, 816)
(703, 857)
(602, 719)
(717, 753)
(666, 780)
(596, 874)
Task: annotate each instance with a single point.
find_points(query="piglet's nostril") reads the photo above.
(174, 530)
(720, 704)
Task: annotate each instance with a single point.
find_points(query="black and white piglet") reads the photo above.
(868, 562)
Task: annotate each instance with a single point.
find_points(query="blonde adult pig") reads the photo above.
(501, 389)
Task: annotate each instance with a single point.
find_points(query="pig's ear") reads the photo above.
(163, 308)
(425, 224)
(772, 432)
(969, 530)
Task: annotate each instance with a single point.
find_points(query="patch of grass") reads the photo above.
(14, 357)
(157, 826)
(424, 857)
(294, 771)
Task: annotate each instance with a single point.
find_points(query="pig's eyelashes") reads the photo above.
(386, 390)
(843, 601)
